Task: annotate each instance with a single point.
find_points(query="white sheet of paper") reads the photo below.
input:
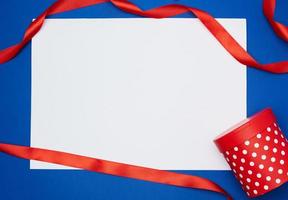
(147, 92)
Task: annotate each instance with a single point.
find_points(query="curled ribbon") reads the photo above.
(121, 169)
(280, 29)
(216, 29)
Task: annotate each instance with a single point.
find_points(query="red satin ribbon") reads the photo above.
(280, 29)
(113, 168)
(125, 170)
(219, 32)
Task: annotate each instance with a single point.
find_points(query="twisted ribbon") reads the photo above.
(121, 169)
(216, 29)
(269, 10)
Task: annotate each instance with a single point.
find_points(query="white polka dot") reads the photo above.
(275, 124)
(254, 154)
(241, 182)
(241, 168)
(256, 145)
(261, 166)
(266, 187)
(275, 141)
(248, 180)
(247, 142)
(263, 157)
(270, 169)
(276, 132)
(234, 171)
(282, 136)
(269, 129)
(247, 187)
(234, 164)
(252, 163)
(267, 138)
(248, 193)
(244, 152)
(235, 148)
(257, 184)
(259, 175)
(259, 135)
(240, 175)
(280, 171)
(273, 159)
(282, 162)
(283, 144)
(283, 153)
(255, 192)
(268, 178)
(250, 172)
(242, 160)
(227, 153)
(227, 159)
(278, 181)
(275, 150)
(265, 147)
(234, 156)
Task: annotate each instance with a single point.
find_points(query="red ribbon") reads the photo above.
(280, 29)
(219, 32)
(113, 168)
(125, 170)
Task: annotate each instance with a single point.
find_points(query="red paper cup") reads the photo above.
(256, 151)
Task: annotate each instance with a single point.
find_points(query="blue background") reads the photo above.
(18, 182)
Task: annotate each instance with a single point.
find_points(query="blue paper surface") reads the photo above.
(17, 181)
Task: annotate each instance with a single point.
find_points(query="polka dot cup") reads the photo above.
(256, 151)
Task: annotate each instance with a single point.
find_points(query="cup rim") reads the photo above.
(245, 130)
